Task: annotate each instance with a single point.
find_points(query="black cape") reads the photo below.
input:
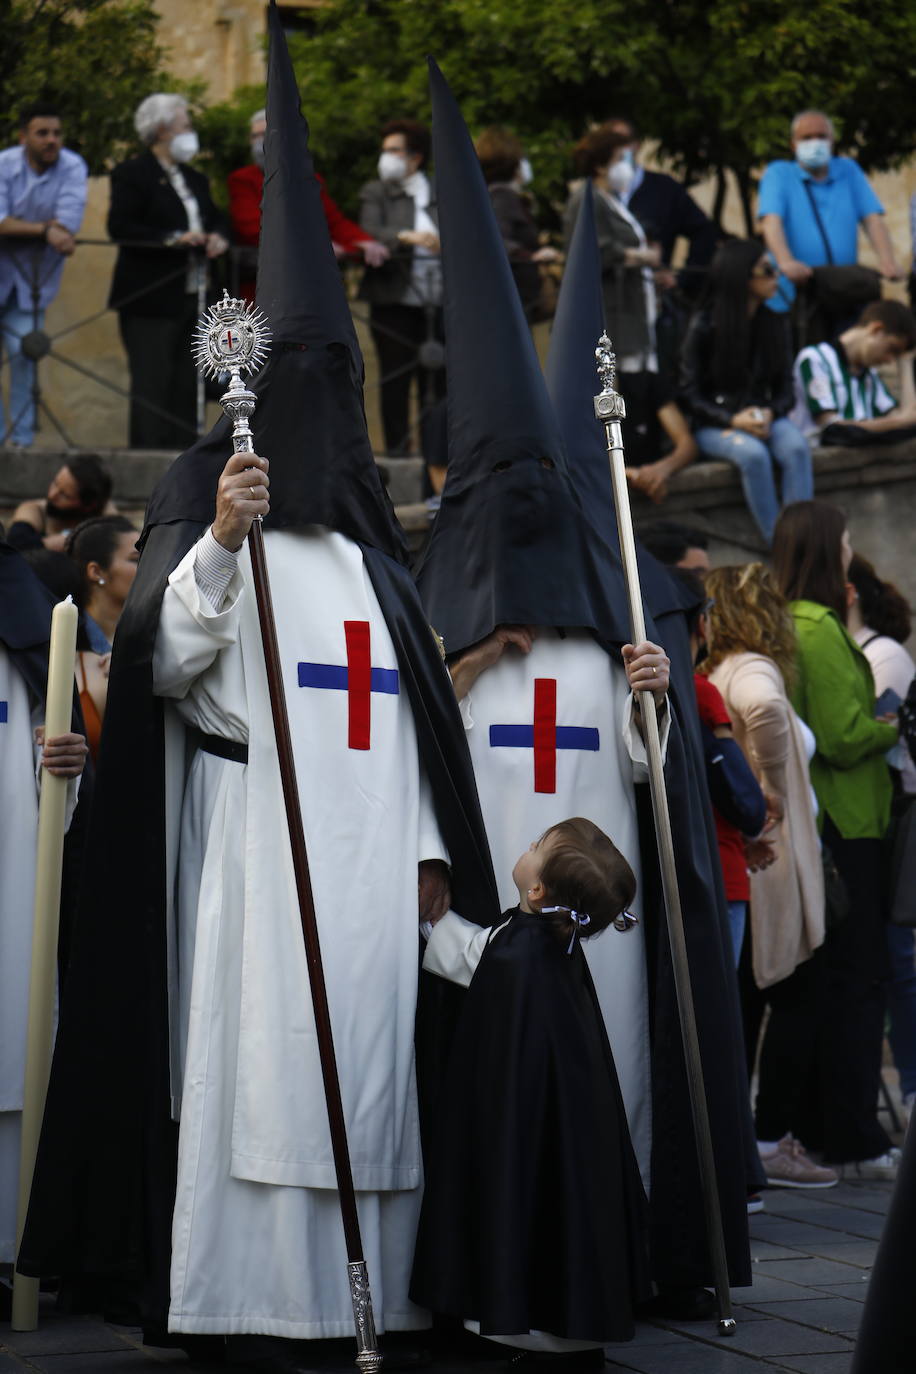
(534, 1216)
(105, 1177)
(885, 1340)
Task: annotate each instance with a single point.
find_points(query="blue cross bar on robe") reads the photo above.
(544, 737)
(4, 712)
(356, 677)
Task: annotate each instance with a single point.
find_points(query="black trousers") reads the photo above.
(398, 332)
(162, 375)
(788, 1074)
(856, 959)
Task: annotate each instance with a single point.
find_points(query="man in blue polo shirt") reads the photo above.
(42, 199)
(843, 197)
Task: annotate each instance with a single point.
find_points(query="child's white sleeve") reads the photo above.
(455, 948)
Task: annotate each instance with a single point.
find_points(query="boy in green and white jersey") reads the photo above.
(838, 382)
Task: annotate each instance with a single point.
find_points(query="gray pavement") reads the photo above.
(812, 1253)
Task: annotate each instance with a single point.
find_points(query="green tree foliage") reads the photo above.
(96, 59)
(715, 82)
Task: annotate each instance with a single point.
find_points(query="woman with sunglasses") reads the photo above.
(736, 380)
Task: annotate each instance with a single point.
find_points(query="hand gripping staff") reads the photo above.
(233, 337)
(609, 411)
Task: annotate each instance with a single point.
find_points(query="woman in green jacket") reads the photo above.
(835, 695)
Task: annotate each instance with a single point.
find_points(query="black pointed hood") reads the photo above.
(309, 421)
(25, 603)
(572, 382)
(510, 543)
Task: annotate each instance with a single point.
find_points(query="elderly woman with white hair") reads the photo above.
(158, 199)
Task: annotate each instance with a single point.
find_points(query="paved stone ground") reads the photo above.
(812, 1256)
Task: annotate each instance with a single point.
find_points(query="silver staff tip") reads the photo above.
(609, 404)
(232, 336)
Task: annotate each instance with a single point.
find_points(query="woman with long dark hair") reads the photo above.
(834, 694)
(736, 380)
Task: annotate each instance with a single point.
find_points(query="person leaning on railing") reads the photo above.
(158, 197)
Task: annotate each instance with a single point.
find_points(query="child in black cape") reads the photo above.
(534, 1226)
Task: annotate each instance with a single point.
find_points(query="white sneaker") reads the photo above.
(881, 1167)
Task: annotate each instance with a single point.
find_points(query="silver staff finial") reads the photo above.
(233, 336)
(608, 403)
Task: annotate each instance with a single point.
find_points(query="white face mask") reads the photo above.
(392, 166)
(813, 153)
(620, 175)
(525, 174)
(185, 146)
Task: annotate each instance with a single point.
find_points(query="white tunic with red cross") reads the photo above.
(257, 1237)
(551, 736)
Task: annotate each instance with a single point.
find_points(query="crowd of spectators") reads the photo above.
(808, 662)
(748, 352)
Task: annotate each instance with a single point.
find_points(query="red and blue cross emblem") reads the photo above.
(357, 678)
(544, 737)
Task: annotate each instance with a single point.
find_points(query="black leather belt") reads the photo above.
(214, 744)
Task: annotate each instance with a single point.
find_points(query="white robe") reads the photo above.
(592, 694)
(257, 1237)
(20, 776)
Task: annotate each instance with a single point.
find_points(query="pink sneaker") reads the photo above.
(790, 1167)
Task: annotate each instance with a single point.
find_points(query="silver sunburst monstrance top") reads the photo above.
(233, 336)
(608, 403)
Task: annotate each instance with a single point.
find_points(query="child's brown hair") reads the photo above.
(585, 872)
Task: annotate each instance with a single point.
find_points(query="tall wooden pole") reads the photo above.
(233, 337)
(610, 410)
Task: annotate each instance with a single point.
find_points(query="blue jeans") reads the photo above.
(737, 916)
(754, 458)
(901, 1000)
(14, 323)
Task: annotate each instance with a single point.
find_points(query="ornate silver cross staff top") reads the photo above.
(609, 404)
(233, 336)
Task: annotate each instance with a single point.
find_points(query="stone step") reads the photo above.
(25, 473)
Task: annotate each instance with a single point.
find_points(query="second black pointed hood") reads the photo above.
(572, 382)
(309, 421)
(510, 543)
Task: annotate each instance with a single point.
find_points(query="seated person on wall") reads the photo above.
(839, 395)
(80, 490)
(659, 441)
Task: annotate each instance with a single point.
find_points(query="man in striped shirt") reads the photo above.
(837, 383)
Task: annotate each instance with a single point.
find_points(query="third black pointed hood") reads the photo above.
(572, 382)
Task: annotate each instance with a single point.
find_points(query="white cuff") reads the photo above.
(214, 567)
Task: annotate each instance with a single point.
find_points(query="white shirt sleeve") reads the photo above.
(199, 616)
(456, 947)
(634, 741)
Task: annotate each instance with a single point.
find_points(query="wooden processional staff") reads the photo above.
(233, 337)
(610, 410)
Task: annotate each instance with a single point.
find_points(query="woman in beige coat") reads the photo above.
(751, 641)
